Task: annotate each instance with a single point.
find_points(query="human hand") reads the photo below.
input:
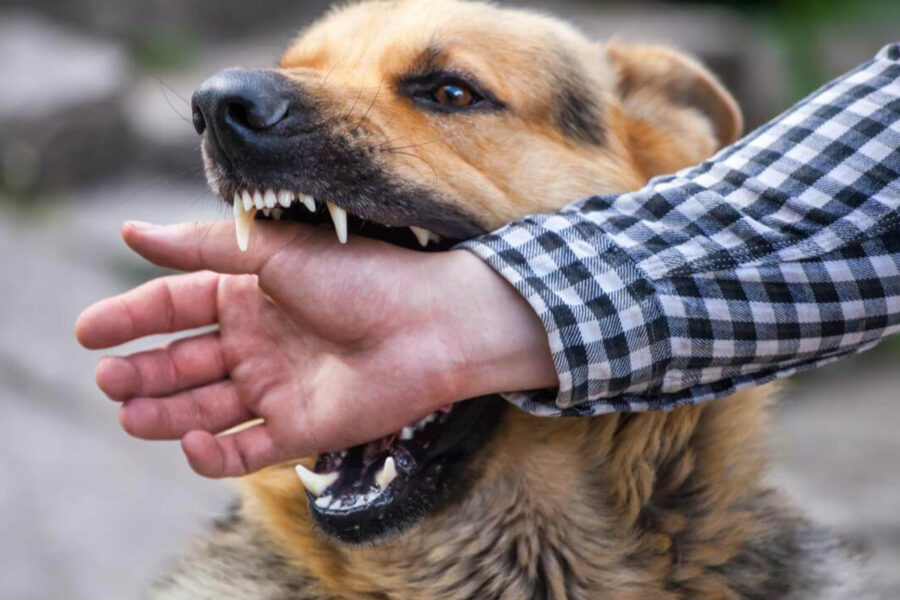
(330, 345)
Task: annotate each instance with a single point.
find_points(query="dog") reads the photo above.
(424, 123)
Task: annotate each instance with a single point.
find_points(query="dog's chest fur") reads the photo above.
(799, 562)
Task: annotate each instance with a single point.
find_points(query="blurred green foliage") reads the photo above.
(164, 49)
(799, 27)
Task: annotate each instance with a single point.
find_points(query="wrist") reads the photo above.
(498, 340)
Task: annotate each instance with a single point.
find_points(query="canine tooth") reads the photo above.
(270, 199)
(258, 200)
(339, 216)
(308, 201)
(423, 235)
(243, 223)
(387, 474)
(247, 199)
(315, 483)
(285, 198)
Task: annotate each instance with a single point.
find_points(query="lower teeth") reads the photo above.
(322, 485)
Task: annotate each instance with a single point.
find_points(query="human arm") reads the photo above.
(778, 254)
(330, 345)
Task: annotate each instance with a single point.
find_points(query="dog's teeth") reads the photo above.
(429, 418)
(277, 213)
(285, 198)
(339, 216)
(258, 200)
(423, 235)
(387, 474)
(248, 200)
(315, 483)
(308, 201)
(243, 223)
(407, 433)
(270, 199)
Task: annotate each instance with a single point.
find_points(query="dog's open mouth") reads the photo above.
(302, 208)
(383, 487)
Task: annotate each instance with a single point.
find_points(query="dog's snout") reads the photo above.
(241, 106)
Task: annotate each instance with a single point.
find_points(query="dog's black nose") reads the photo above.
(241, 106)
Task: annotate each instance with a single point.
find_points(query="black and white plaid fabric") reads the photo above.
(780, 253)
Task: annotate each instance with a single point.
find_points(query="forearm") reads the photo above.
(499, 339)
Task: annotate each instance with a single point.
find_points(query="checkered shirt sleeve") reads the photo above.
(780, 253)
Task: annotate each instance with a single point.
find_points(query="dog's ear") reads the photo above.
(676, 111)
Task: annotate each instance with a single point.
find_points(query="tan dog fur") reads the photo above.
(619, 507)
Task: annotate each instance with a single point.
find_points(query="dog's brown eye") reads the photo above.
(455, 95)
(447, 93)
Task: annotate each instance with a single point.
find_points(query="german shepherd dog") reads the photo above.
(453, 118)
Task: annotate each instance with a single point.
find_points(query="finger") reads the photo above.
(215, 407)
(232, 455)
(210, 245)
(163, 305)
(183, 364)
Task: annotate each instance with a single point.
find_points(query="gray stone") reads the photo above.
(135, 19)
(60, 110)
(838, 452)
(86, 512)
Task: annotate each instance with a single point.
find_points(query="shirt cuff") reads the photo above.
(606, 330)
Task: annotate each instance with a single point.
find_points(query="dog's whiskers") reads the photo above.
(430, 166)
(165, 86)
(419, 145)
(371, 104)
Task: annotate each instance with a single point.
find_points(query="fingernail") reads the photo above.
(140, 225)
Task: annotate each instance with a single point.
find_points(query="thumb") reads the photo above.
(213, 246)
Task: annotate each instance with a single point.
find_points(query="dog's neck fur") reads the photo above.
(649, 506)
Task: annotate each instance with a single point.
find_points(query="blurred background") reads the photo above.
(95, 129)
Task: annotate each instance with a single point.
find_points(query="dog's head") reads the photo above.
(424, 123)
